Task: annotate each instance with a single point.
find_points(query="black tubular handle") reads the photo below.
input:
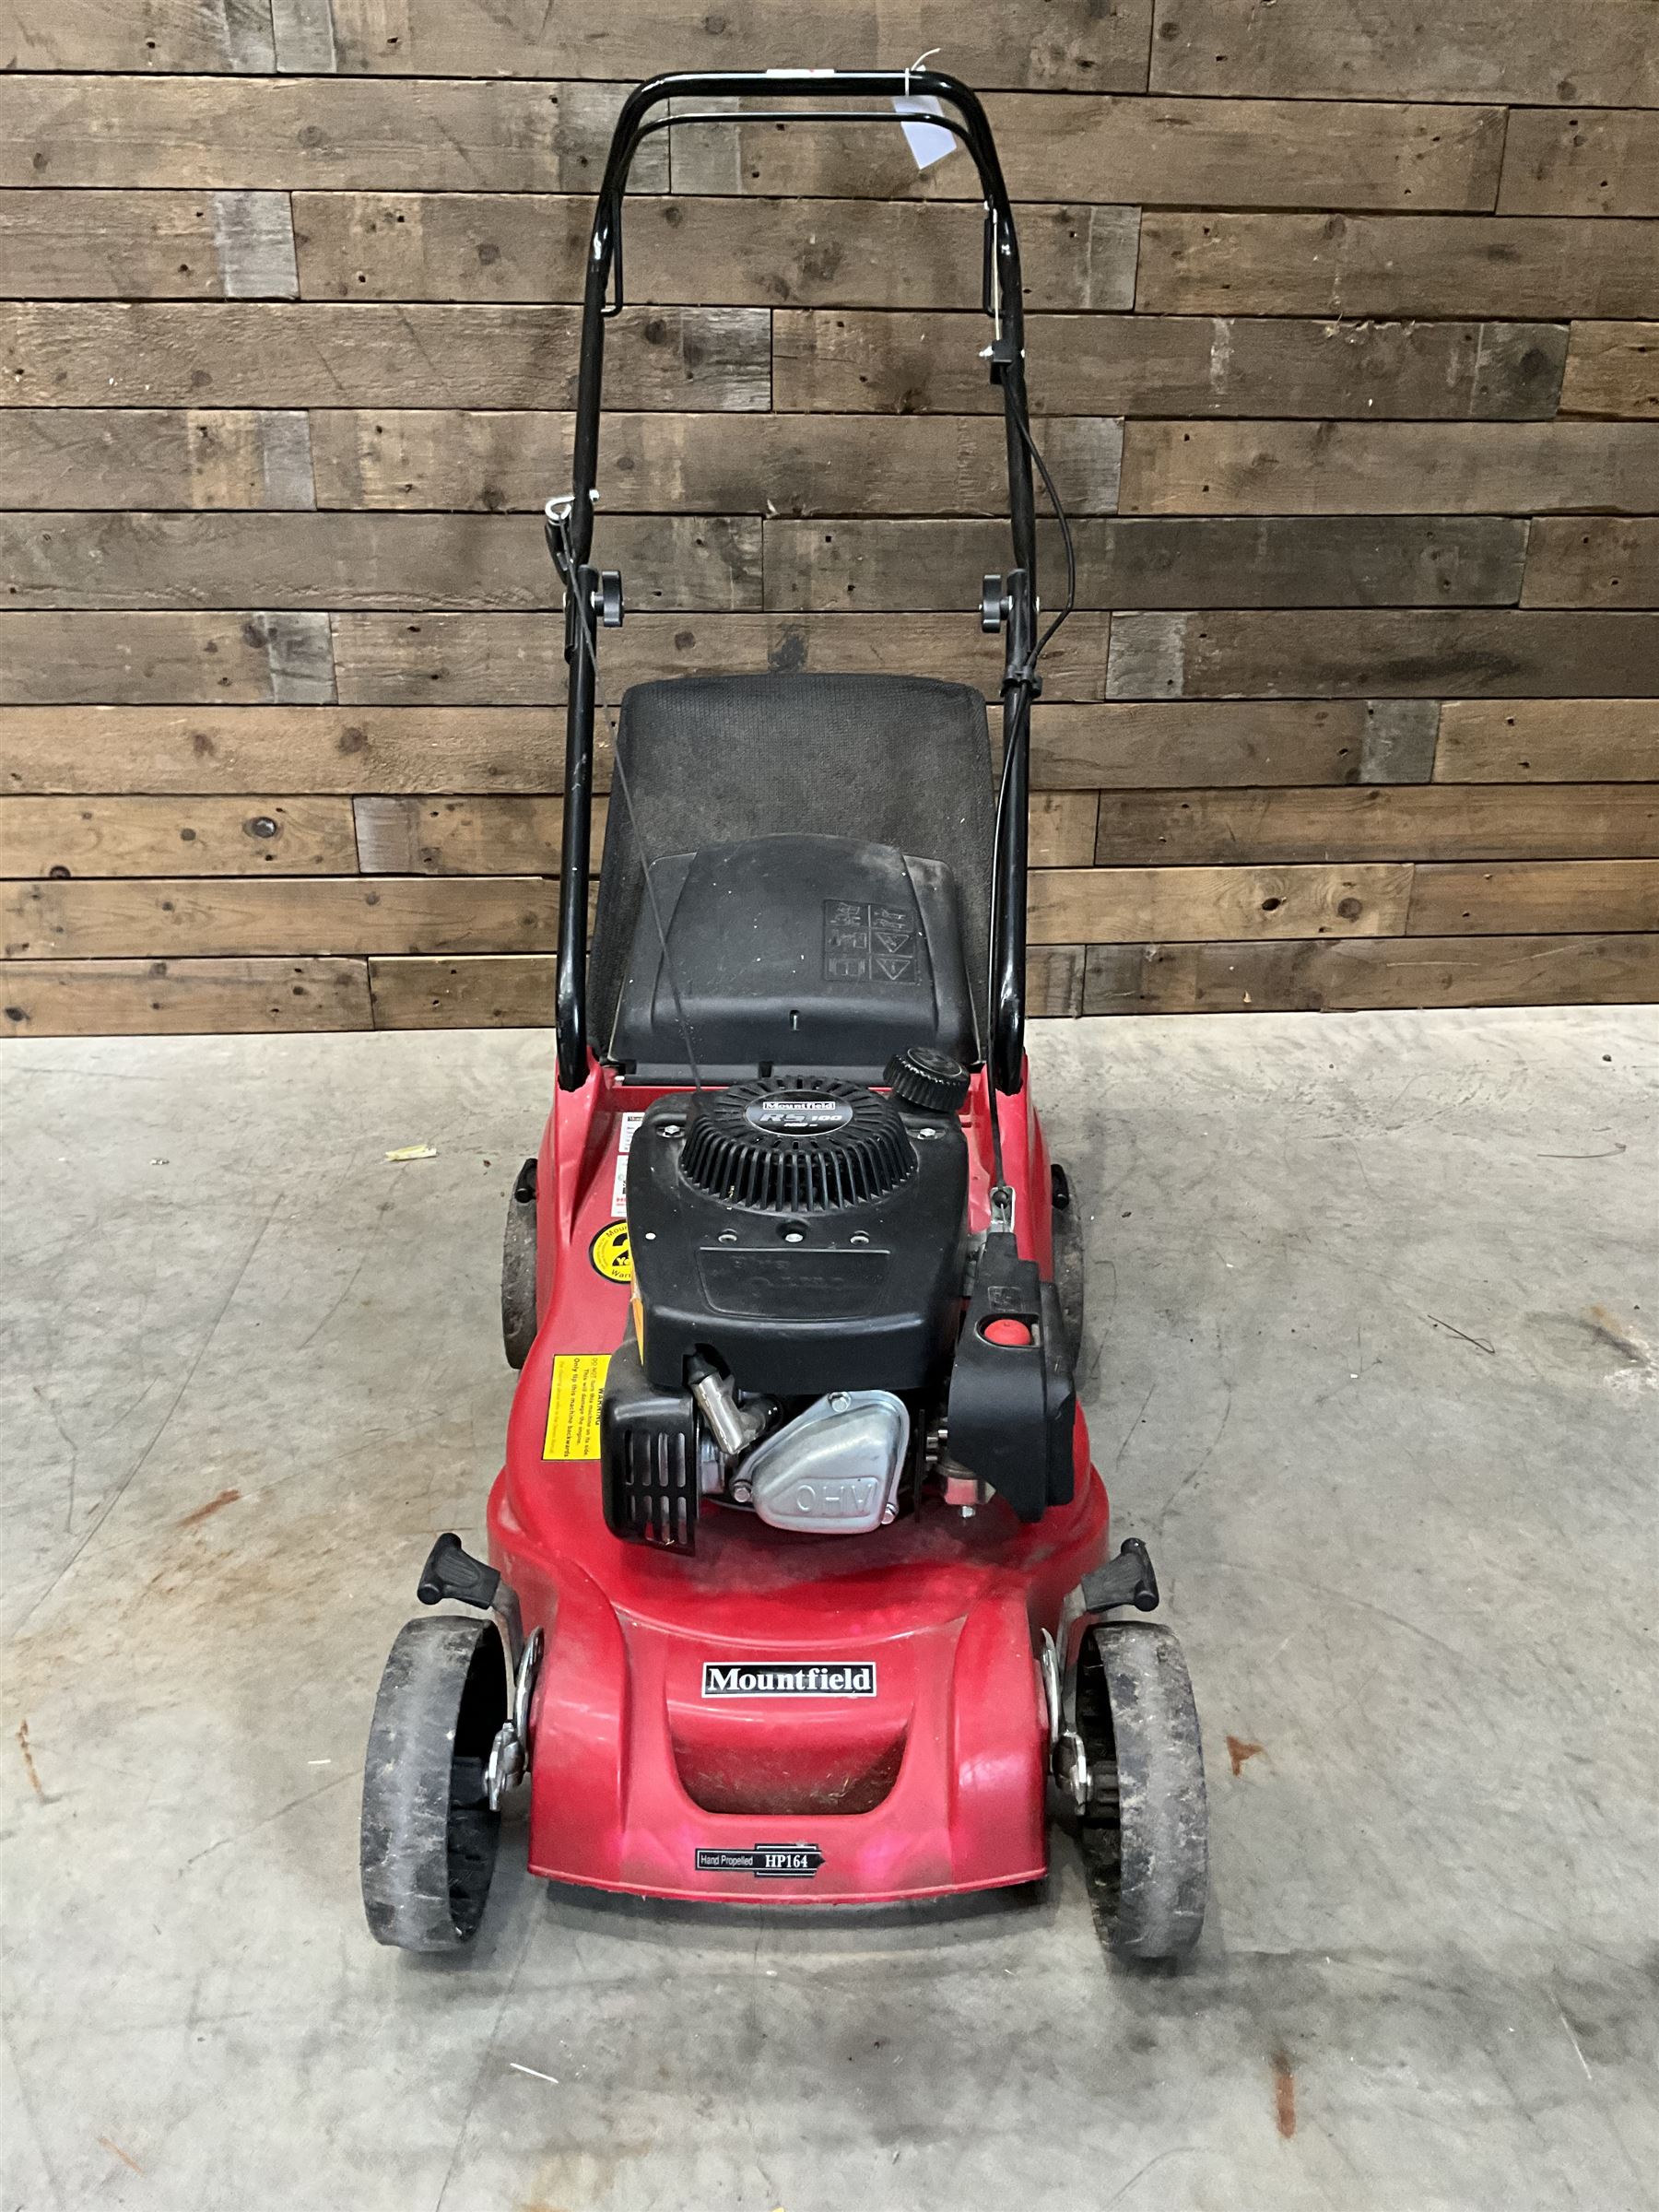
(1003, 300)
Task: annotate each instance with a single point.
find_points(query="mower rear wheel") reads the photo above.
(518, 1269)
(1068, 1261)
(429, 1837)
(1146, 1830)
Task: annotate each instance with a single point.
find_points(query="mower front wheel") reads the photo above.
(1145, 1826)
(428, 1836)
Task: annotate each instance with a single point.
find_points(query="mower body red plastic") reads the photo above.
(916, 1762)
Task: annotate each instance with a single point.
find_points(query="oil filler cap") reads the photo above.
(926, 1079)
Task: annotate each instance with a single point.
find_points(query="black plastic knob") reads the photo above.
(928, 1080)
(451, 1571)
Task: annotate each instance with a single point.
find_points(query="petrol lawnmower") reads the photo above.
(798, 1587)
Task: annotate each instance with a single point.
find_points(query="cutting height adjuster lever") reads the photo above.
(1126, 1581)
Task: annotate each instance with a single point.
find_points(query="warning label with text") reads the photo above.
(573, 1406)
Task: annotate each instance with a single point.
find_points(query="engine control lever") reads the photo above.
(1126, 1581)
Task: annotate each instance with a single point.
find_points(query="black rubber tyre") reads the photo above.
(429, 1837)
(1068, 1262)
(1146, 1836)
(518, 1269)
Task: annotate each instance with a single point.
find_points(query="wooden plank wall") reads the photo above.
(1344, 332)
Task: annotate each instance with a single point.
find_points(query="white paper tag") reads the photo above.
(630, 1121)
(926, 141)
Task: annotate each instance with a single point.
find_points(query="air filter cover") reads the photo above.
(784, 1145)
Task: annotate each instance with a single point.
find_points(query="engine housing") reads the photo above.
(808, 1233)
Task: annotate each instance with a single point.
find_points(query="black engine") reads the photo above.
(813, 1234)
(811, 1311)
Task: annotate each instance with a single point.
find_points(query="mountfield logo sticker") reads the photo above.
(766, 1861)
(791, 1678)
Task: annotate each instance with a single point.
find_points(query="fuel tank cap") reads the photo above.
(928, 1081)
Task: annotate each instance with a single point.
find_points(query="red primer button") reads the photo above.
(1006, 1331)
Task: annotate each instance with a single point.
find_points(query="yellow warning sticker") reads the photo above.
(573, 1406)
(610, 1255)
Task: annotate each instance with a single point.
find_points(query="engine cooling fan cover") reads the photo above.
(789, 1146)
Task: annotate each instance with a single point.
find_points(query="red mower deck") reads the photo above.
(916, 1762)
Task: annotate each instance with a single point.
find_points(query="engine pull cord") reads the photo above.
(558, 512)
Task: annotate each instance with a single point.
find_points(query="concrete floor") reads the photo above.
(1373, 1306)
